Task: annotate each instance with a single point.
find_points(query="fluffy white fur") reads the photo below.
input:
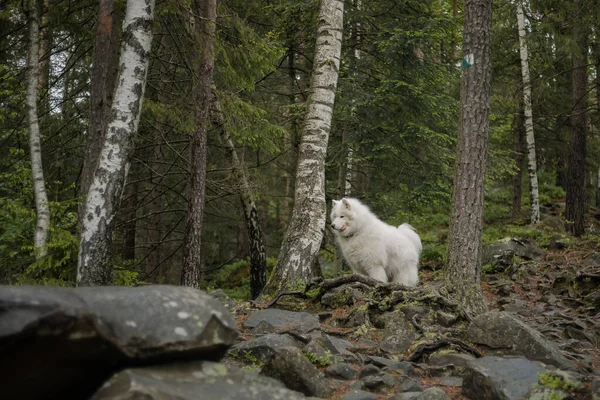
(373, 248)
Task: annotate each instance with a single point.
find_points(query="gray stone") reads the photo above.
(341, 371)
(292, 368)
(405, 396)
(223, 298)
(398, 334)
(596, 388)
(456, 359)
(196, 380)
(544, 393)
(337, 346)
(434, 394)
(501, 378)
(373, 382)
(262, 348)
(404, 367)
(369, 369)
(64, 342)
(359, 395)
(314, 349)
(508, 247)
(509, 335)
(302, 321)
(264, 328)
(408, 385)
(453, 381)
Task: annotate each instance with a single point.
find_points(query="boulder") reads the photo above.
(341, 371)
(359, 395)
(195, 380)
(64, 342)
(398, 333)
(291, 367)
(507, 334)
(501, 378)
(503, 250)
(283, 319)
(433, 394)
(262, 348)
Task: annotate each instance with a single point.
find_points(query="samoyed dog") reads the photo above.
(373, 248)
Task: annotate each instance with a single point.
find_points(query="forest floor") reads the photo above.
(559, 295)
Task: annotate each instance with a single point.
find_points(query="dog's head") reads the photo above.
(342, 216)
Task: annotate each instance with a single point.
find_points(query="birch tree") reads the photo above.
(103, 197)
(258, 255)
(463, 272)
(190, 274)
(35, 143)
(529, 136)
(302, 240)
(102, 85)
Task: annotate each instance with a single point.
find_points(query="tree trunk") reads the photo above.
(103, 198)
(576, 197)
(35, 142)
(530, 138)
(102, 83)
(463, 272)
(302, 240)
(258, 254)
(518, 155)
(46, 38)
(190, 274)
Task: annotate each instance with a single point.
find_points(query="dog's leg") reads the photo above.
(378, 273)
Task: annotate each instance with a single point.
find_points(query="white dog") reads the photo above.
(373, 248)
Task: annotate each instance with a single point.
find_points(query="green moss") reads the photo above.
(323, 361)
(553, 380)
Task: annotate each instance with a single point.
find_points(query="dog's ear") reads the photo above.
(346, 204)
(334, 202)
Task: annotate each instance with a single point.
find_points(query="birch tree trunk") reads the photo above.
(35, 143)
(258, 254)
(190, 274)
(104, 195)
(576, 193)
(463, 272)
(529, 137)
(302, 240)
(102, 84)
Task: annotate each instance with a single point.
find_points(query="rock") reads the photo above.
(405, 396)
(456, 359)
(453, 381)
(262, 348)
(195, 380)
(64, 342)
(398, 334)
(337, 346)
(510, 246)
(544, 393)
(596, 388)
(434, 394)
(556, 224)
(509, 335)
(359, 395)
(368, 370)
(501, 378)
(223, 298)
(314, 350)
(292, 368)
(264, 328)
(445, 319)
(408, 385)
(373, 382)
(345, 295)
(357, 317)
(341, 371)
(302, 321)
(404, 367)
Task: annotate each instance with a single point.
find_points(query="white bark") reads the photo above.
(305, 232)
(35, 143)
(102, 201)
(529, 136)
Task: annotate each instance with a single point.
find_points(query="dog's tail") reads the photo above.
(412, 235)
